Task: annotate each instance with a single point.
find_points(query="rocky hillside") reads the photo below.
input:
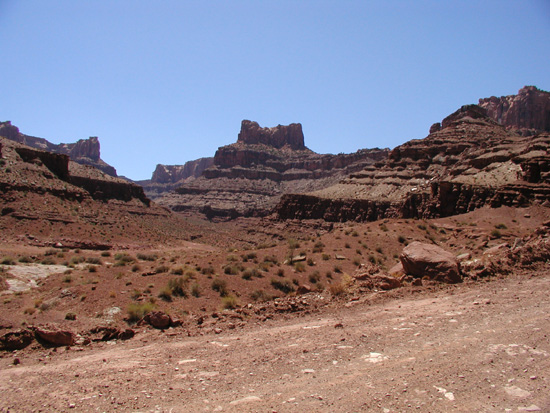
(84, 151)
(248, 178)
(468, 161)
(48, 199)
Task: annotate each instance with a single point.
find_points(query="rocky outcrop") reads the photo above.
(467, 162)
(280, 136)
(248, 178)
(84, 151)
(527, 112)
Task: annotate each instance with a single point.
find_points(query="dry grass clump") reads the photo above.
(220, 286)
(229, 302)
(261, 296)
(282, 285)
(136, 311)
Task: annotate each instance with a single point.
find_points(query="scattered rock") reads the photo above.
(303, 289)
(516, 392)
(422, 260)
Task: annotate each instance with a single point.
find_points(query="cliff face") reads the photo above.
(466, 162)
(247, 178)
(527, 112)
(84, 151)
(171, 174)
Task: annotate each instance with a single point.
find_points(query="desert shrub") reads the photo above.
(314, 277)
(219, 286)
(70, 316)
(68, 278)
(383, 227)
(105, 254)
(231, 269)
(293, 244)
(249, 256)
(401, 239)
(94, 260)
(358, 251)
(501, 226)
(50, 251)
(318, 246)
(337, 289)
(135, 295)
(250, 272)
(25, 259)
(379, 250)
(496, 233)
(146, 257)
(123, 258)
(320, 287)
(264, 266)
(229, 302)
(357, 261)
(271, 259)
(207, 270)
(136, 268)
(178, 286)
(346, 245)
(299, 267)
(177, 271)
(354, 234)
(92, 268)
(165, 294)
(310, 262)
(296, 282)
(195, 290)
(261, 296)
(232, 258)
(422, 227)
(325, 257)
(281, 272)
(337, 269)
(112, 294)
(282, 285)
(161, 269)
(29, 310)
(137, 311)
(77, 260)
(48, 261)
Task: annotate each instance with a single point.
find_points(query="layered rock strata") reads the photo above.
(249, 177)
(468, 162)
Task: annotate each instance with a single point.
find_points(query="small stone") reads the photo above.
(16, 361)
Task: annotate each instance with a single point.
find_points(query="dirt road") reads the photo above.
(478, 347)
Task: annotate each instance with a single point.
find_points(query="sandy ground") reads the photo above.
(480, 347)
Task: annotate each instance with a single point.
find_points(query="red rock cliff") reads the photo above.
(528, 111)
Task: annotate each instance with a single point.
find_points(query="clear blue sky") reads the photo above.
(170, 81)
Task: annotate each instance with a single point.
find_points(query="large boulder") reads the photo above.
(420, 260)
(158, 319)
(55, 337)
